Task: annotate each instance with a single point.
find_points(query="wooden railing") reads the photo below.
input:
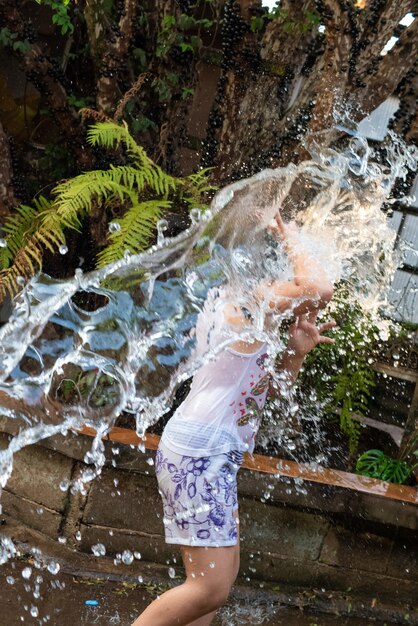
(283, 467)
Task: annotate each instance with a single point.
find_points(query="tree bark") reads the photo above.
(261, 104)
(94, 14)
(174, 113)
(114, 60)
(8, 201)
(390, 71)
(41, 73)
(332, 84)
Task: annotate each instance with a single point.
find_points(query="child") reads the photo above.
(202, 446)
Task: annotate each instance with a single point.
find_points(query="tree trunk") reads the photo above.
(114, 59)
(307, 81)
(263, 99)
(42, 74)
(8, 200)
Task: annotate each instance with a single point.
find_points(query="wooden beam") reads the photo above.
(282, 467)
(396, 372)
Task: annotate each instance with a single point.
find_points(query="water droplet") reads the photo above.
(171, 572)
(98, 549)
(63, 249)
(195, 215)
(150, 461)
(162, 226)
(62, 540)
(34, 611)
(78, 535)
(10, 580)
(64, 485)
(211, 564)
(127, 557)
(140, 579)
(138, 555)
(27, 573)
(114, 227)
(53, 567)
(3, 243)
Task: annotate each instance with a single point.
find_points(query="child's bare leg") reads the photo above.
(211, 573)
(206, 620)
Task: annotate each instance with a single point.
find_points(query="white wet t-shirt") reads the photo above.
(223, 409)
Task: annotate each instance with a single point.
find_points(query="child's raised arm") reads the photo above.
(309, 290)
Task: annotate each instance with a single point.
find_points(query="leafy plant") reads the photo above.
(310, 20)
(377, 464)
(173, 33)
(61, 16)
(8, 39)
(140, 188)
(341, 374)
(92, 386)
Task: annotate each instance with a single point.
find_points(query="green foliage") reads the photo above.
(140, 190)
(61, 16)
(181, 34)
(340, 374)
(93, 386)
(174, 32)
(309, 21)
(377, 464)
(8, 39)
(80, 102)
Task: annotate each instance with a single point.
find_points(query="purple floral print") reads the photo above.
(199, 497)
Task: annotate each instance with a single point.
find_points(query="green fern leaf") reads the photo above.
(136, 229)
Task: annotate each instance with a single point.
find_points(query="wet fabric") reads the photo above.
(222, 411)
(199, 497)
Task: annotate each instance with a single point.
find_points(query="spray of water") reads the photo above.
(83, 350)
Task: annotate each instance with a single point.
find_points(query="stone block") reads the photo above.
(393, 512)
(151, 547)
(295, 492)
(75, 446)
(31, 514)
(37, 474)
(131, 459)
(256, 566)
(132, 503)
(367, 584)
(72, 445)
(356, 550)
(403, 561)
(281, 531)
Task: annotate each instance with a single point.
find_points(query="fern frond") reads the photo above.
(46, 232)
(141, 184)
(17, 228)
(111, 135)
(136, 229)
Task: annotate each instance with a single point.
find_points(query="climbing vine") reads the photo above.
(340, 374)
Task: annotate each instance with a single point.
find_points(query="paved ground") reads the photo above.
(65, 600)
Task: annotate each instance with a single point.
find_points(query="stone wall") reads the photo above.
(294, 532)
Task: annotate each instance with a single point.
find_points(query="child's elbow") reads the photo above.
(320, 291)
(326, 292)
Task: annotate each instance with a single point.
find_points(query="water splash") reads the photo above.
(120, 339)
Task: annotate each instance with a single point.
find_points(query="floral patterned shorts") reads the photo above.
(199, 497)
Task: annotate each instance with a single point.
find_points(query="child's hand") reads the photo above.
(304, 335)
(287, 233)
